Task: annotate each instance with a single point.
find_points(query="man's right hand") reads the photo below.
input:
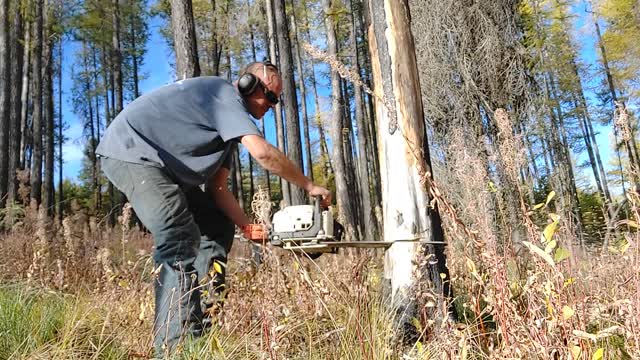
(276, 162)
(316, 190)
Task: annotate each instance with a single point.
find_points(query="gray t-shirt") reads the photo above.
(189, 127)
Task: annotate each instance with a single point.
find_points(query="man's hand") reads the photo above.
(316, 190)
(276, 162)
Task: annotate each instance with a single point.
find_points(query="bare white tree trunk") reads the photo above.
(410, 267)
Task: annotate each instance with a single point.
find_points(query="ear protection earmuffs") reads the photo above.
(248, 82)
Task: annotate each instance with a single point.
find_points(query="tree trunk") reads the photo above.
(17, 49)
(404, 162)
(303, 97)
(24, 96)
(184, 39)
(106, 69)
(369, 225)
(117, 58)
(324, 151)
(582, 124)
(5, 97)
(348, 141)
(253, 57)
(280, 132)
(370, 122)
(343, 190)
(118, 87)
(566, 182)
(630, 145)
(48, 114)
(216, 50)
(571, 179)
(94, 133)
(592, 144)
(294, 148)
(60, 203)
(134, 54)
(36, 161)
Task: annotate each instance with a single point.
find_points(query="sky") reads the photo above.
(158, 71)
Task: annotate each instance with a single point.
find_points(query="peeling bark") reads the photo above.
(403, 149)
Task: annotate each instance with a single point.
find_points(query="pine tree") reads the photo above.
(5, 97)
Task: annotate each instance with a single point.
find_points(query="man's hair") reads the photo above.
(261, 68)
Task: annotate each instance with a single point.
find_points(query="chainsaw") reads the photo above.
(312, 231)
(306, 229)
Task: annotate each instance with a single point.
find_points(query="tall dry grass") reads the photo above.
(94, 300)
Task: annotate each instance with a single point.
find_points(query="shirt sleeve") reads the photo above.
(233, 121)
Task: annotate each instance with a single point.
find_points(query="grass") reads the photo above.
(96, 302)
(43, 324)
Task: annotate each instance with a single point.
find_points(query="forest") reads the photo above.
(503, 133)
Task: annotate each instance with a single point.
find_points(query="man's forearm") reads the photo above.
(276, 162)
(226, 202)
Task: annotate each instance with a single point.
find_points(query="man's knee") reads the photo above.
(177, 242)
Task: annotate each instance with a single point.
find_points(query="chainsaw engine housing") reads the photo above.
(303, 228)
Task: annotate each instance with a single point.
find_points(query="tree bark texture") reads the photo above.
(47, 103)
(303, 98)
(294, 147)
(369, 225)
(184, 39)
(60, 202)
(324, 151)
(24, 96)
(280, 131)
(5, 96)
(343, 191)
(17, 49)
(36, 157)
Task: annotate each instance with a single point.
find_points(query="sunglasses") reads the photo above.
(270, 95)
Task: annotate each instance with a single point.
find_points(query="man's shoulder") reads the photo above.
(209, 81)
(208, 86)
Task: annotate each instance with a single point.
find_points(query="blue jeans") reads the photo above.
(190, 234)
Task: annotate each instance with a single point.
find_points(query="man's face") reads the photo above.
(259, 103)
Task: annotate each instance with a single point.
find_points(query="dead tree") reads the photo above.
(411, 267)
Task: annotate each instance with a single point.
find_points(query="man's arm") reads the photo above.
(225, 200)
(276, 162)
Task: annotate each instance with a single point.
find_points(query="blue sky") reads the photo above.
(157, 67)
(158, 70)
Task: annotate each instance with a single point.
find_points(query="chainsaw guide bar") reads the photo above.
(370, 244)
